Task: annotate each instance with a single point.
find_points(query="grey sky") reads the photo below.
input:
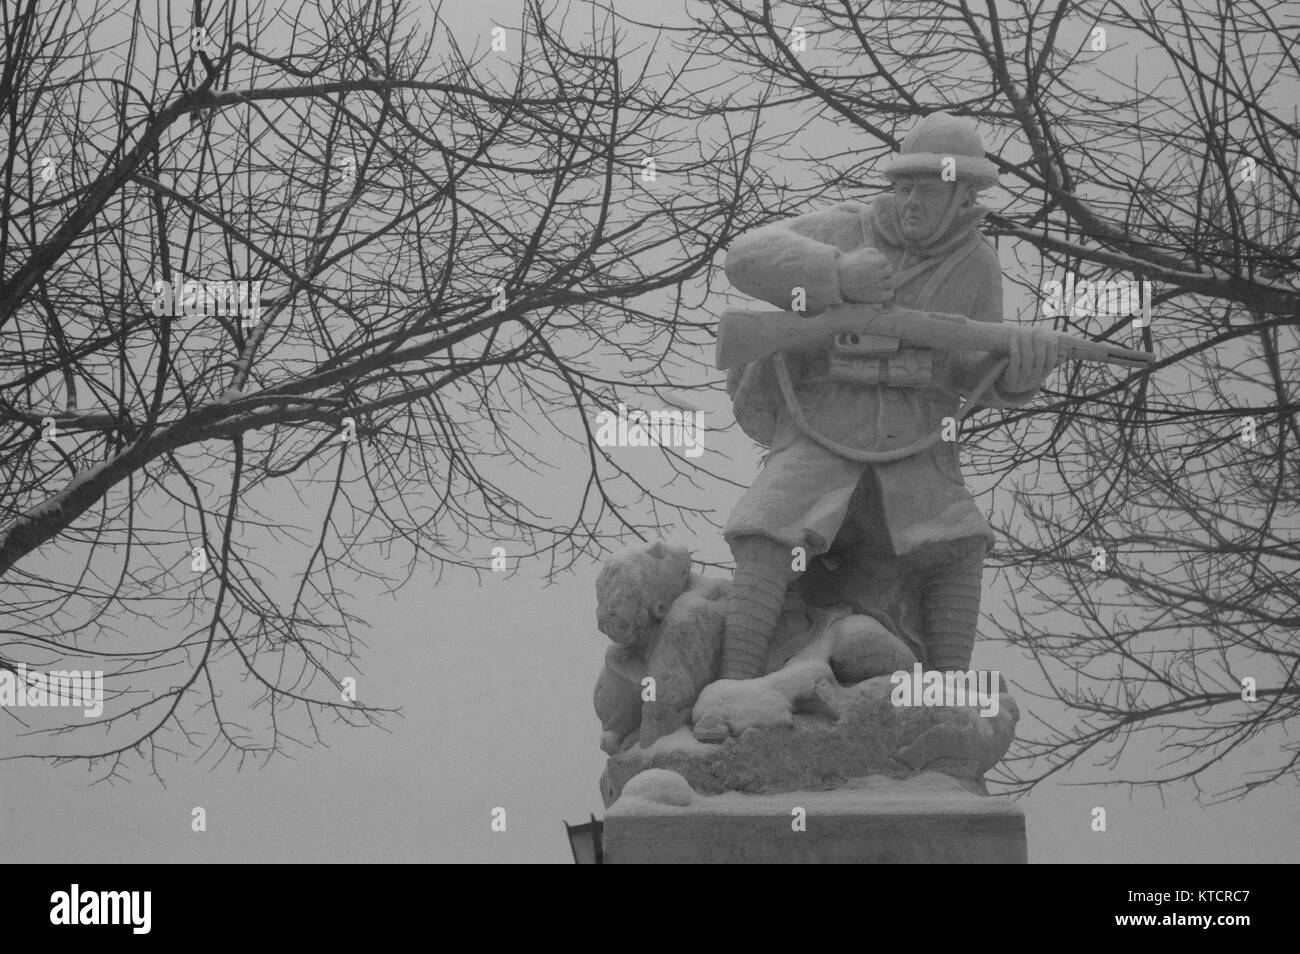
(494, 679)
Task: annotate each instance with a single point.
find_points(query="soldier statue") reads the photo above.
(853, 458)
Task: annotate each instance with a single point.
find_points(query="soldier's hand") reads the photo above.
(865, 276)
(1033, 355)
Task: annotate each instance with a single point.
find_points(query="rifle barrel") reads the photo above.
(745, 336)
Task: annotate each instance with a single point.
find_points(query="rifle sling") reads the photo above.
(871, 457)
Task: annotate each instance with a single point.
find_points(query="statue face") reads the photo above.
(922, 202)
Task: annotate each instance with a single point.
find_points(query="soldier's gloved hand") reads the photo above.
(1033, 355)
(865, 276)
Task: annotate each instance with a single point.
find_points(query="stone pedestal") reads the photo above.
(924, 820)
(845, 749)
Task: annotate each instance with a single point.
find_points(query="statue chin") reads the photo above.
(915, 233)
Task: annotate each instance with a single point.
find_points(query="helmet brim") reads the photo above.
(978, 171)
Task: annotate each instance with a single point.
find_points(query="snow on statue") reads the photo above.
(858, 549)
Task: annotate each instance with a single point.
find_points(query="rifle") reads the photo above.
(875, 330)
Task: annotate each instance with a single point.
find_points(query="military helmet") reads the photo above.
(941, 136)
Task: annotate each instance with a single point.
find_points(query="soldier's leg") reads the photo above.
(798, 499)
(763, 571)
(950, 606)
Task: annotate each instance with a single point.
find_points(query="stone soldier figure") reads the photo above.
(846, 444)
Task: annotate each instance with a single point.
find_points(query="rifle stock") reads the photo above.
(745, 336)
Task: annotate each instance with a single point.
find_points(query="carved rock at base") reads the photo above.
(821, 715)
(793, 750)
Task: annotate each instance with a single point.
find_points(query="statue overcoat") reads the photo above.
(802, 494)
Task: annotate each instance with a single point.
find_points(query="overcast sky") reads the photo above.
(494, 679)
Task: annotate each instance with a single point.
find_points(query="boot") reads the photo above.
(950, 612)
(762, 574)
